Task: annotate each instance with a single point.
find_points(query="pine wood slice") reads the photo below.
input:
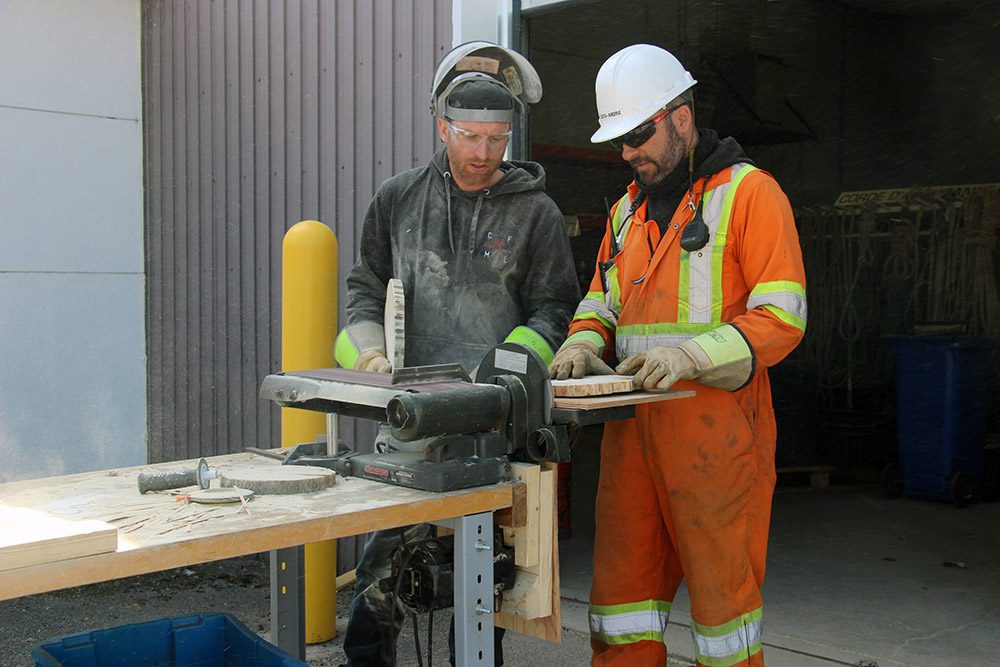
(395, 317)
(593, 385)
(29, 537)
(278, 479)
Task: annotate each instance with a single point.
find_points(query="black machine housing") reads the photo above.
(442, 440)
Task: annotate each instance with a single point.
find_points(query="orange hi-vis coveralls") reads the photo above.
(685, 487)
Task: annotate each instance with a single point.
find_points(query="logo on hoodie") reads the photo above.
(497, 247)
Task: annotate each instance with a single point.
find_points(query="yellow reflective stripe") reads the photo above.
(590, 308)
(729, 643)
(696, 279)
(786, 295)
(684, 288)
(591, 315)
(530, 338)
(613, 300)
(671, 328)
(623, 205)
(720, 239)
(723, 345)
(587, 335)
(594, 296)
(788, 318)
(629, 623)
(344, 351)
(775, 286)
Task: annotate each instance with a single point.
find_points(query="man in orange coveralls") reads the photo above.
(700, 286)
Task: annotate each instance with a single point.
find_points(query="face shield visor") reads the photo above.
(474, 60)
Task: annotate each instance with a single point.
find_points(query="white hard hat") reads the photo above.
(485, 58)
(633, 84)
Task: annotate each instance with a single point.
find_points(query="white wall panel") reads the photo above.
(75, 56)
(72, 397)
(72, 284)
(71, 189)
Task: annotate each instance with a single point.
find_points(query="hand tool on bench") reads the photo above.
(175, 479)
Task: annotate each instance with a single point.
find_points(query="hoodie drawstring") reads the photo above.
(475, 220)
(447, 199)
(475, 215)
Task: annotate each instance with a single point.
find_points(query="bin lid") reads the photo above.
(960, 341)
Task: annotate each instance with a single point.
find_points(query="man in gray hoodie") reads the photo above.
(483, 257)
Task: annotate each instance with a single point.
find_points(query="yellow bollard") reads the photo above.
(308, 331)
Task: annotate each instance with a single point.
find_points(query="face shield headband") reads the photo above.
(476, 115)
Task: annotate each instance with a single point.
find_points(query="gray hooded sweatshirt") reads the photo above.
(474, 265)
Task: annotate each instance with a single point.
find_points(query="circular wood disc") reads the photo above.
(592, 385)
(230, 494)
(278, 479)
(395, 317)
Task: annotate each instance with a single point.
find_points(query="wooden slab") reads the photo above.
(395, 318)
(278, 479)
(524, 539)
(30, 537)
(617, 400)
(545, 620)
(592, 385)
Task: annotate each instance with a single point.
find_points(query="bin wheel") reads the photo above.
(892, 481)
(961, 489)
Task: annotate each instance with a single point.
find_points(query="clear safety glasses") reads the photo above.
(472, 139)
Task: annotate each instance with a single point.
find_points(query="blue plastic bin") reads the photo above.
(215, 640)
(942, 401)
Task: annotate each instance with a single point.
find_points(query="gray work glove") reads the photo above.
(577, 360)
(659, 367)
(373, 360)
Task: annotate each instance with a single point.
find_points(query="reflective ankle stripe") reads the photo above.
(729, 643)
(629, 623)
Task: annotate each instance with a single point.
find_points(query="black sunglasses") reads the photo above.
(643, 133)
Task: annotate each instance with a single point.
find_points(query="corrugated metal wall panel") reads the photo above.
(257, 115)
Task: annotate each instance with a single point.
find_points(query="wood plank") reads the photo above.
(531, 596)
(618, 400)
(515, 516)
(547, 627)
(593, 385)
(819, 475)
(32, 537)
(395, 322)
(525, 538)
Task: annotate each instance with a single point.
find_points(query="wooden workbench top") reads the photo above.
(156, 532)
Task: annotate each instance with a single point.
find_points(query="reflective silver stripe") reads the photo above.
(599, 307)
(700, 262)
(705, 265)
(735, 644)
(790, 302)
(628, 345)
(629, 623)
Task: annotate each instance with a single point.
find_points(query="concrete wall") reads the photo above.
(72, 358)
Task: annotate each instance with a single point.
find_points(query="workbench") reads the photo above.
(157, 532)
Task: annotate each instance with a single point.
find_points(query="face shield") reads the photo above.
(474, 60)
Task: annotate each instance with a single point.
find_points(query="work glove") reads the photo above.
(373, 360)
(659, 367)
(577, 360)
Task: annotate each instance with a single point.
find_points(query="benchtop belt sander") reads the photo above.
(441, 430)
